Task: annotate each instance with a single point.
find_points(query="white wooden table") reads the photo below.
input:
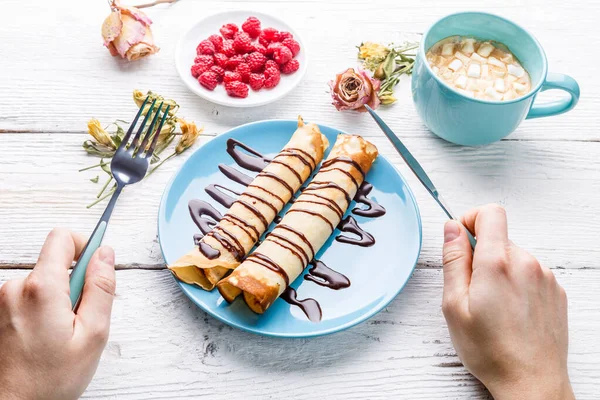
(55, 75)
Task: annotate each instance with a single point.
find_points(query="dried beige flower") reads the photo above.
(189, 134)
(99, 134)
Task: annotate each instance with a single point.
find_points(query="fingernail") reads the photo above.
(451, 231)
(107, 255)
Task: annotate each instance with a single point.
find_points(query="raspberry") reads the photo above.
(272, 77)
(252, 27)
(205, 47)
(256, 61)
(217, 41)
(290, 67)
(220, 71)
(228, 48)
(270, 35)
(233, 62)
(272, 46)
(282, 54)
(285, 35)
(236, 89)
(242, 42)
(257, 81)
(229, 30)
(197, 69)
(202, 63)
(221, 59)
(292, 45)
(259, 48)
(263, 41)
(209, 80)
(231, 76)
(244, 70)
(271, 64)
(205, 59)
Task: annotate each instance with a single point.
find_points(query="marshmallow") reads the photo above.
(516, 70)
(474, 71)
(485, 71)
(490, 92)
(499, 85)
(435, 70)
(494, 61)
(462, 57)
(461, 82)
(498, 73)
(476, 57)
(519, 87)
(467, 45)
(485, 49)
(455, 65)
(448, 49)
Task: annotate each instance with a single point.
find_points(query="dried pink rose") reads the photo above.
(126, 32)
(351, 90)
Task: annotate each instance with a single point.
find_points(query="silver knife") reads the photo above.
(414, 165)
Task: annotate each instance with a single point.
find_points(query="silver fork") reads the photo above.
(129, 165)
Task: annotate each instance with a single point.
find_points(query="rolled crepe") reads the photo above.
(254, 210)
(307, 225)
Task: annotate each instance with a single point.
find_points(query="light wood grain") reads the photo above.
(55, 75)
(550, 190)
(162, 346)
(52, 82)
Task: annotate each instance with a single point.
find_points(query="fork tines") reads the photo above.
(143, 150)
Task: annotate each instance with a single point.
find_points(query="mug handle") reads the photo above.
(556, 81)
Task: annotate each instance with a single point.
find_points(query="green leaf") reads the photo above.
(97, 149)
(95, 180)
(105, 167)
(388, 65)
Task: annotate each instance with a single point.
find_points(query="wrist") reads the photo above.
(550, 388)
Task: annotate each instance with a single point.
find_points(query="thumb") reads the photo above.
(457, 259)
(93, 314)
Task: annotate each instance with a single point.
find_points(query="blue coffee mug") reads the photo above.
(468, 121)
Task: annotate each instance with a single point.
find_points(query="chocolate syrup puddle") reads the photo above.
(235, 175)
(321, 274)
(309, 306)
(199, 211)
(349, 224)
(373, 209)
(256, 163)
(217, 192)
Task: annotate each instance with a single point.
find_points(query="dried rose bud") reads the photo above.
(351, 90)
(99, 134)
(387, 99)
(189, 134)
(126, 32)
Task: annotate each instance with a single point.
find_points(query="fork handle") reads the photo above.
(77, 278)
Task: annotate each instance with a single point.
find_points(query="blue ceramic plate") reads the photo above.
(378, 273)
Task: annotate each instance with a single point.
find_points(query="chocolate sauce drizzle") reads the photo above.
(349, 224)
(310, 307)
(321, 274)
(373, 209)
(206, 217)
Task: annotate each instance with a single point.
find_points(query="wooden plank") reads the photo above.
(162, 347)
(56, 85)
(550, 189)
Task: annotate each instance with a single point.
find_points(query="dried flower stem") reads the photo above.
(160, 163)
(104, 187)
(102, 164)
(110, 192)
(154, 3)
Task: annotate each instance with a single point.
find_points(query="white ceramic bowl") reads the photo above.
(186, 52)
